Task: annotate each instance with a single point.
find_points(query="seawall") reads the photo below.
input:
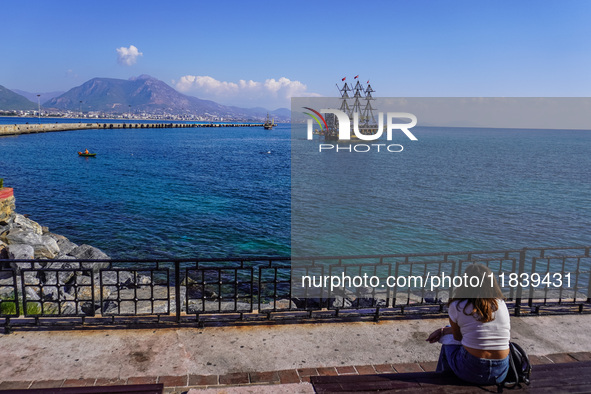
(16, 129)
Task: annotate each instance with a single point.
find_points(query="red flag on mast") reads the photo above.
(356, 76)
(343, 79)
(368, 81)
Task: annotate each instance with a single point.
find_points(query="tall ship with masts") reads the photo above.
(360, 102)
(269, 123)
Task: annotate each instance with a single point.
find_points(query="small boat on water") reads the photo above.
(269, 124)
(82, 154)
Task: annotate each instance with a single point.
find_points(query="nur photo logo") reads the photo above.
(354, 121)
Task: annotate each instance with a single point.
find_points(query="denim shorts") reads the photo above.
(481, 371)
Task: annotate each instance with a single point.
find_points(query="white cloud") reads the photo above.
(271, 93)
(71, 74)
(128, 56)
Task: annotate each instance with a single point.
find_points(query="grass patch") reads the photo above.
(8, 307)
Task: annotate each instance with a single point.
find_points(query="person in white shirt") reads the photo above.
(476, 343)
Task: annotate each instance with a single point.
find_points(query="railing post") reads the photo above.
(177, 289)
(7, 327)
(589, 284)
(520, 270)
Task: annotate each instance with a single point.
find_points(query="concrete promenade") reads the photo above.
(216, 357)
(16, 129)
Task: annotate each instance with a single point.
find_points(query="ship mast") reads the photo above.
(368, 117)
(344, 96)
(332, 130)
(357, 96)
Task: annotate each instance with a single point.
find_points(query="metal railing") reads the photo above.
(196, 291)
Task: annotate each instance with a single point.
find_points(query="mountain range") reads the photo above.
(33, 96)
(136, 95)
(11, 101)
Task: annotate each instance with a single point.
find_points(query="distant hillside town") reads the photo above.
(137, 98)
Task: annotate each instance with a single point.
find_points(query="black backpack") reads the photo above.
(519, 368)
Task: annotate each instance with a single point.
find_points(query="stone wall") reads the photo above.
(17, 129)
(6, 204)
(43, 128)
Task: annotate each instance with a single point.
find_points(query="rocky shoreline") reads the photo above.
(23, 238)
(64, 288)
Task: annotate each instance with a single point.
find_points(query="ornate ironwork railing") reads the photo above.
(73, 292)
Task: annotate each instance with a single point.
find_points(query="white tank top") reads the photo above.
(492, 335)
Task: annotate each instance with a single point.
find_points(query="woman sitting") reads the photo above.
(476, 345)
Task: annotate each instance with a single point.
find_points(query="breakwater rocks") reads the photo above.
(62, 288)
(17, 129)
(23, 238)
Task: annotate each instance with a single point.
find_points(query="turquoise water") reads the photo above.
(218, 192)
(157, 192)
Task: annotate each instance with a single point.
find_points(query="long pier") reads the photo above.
(16, 129)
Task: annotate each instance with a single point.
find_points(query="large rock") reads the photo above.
(126, 278)
(44, 245)
(6, 293)
(85, 293)
(6, 285)
(32, 293)
(27, 224)
(6, 278)
(18, 235)
(21, 252)
(87, 252)
(47, 248)
(65, 245)
(62, 256)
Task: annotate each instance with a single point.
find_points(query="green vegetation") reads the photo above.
(8, 307)
(12, 101)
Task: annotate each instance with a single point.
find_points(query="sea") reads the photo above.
(227, 191)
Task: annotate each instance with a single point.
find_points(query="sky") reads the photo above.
(261, 53)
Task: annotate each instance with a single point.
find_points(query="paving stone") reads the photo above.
(407, 367)
(346, 371)
(47, 384)
(289, 376)
(234, 378)
(203, 380)
(173, 381)
(264, 377)
(110, 382)
(15, 385)
(365, 369)
(327, 371)
(174, 390)
(561, 358)
(78, 382)
(307, 372)
(581, 356)
(142, 380)
(429, 366)
(384, 368)
(539, 360)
